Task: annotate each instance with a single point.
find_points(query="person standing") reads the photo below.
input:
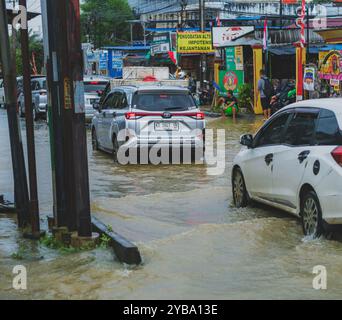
(265, 90)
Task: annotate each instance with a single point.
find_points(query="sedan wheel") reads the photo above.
(311, 215)
(240, 194)
(94, 141)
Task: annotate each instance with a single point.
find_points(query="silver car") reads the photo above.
(93, 89)
(39, 98)
(144, 117)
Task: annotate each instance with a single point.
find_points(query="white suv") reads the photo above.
(294, 163)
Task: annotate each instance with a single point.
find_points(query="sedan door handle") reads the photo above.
(303, 156)
(269, 159)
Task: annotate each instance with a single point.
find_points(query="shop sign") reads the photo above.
(309, 78)
(225, 36)
(194, 42)
(330, 65)
(234, 58)
(103, 61)
(160, 48)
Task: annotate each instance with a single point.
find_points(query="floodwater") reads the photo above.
(194, 244)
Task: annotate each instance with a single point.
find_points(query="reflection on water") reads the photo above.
(194, 243)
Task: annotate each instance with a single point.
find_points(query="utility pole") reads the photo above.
(55, 120)
(66, 68)
(14, 43)
(31, 152)
(17, 153)
(202, 27)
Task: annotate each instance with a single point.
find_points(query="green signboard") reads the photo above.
(233, 77)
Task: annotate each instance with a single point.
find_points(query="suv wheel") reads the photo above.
(311, 214)
(115, 149)
(21, 113)
(94, 141)
(240, 194)
(35, 114)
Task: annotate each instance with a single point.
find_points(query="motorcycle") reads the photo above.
(285, 97)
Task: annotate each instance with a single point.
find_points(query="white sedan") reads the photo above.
(294, 163)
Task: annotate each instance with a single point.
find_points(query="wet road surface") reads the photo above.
(194, 244)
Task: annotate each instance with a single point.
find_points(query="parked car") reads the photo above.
(294, 163)
(39, 98)
(2, 90)
(150, 114)
(94, 87)
(2, 93)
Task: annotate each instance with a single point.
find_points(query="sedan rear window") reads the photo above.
(328, 131)
(163, 101)
(94, 86)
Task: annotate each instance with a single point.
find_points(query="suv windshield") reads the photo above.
(163, 101)
(94, 86)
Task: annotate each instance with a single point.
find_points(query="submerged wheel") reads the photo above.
(94, 141)
(115, 149)
(35, 114)
(21, 113)
(311, 214)
(240, 194)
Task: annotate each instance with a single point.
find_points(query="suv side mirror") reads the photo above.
(96, 106)
(247, 140)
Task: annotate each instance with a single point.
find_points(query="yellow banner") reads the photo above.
(194, 42)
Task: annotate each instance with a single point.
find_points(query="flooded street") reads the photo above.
(194, 244)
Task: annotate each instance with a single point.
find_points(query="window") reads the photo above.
(273, 133)
(94, 86)
(328, 131)
(34, 85)
(109, 101)
(301, 129)
(163, 101)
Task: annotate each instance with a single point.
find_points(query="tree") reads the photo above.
(36, 50)
(105, 23)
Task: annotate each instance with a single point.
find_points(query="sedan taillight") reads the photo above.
(337, 155)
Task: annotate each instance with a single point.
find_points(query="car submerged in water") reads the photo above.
(148, 118)
(294, 163)
(94, 87)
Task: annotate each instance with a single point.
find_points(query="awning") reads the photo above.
(279, 51)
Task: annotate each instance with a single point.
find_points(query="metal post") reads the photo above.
(202, 26)
(308, 33)
(18, 161)
(34, 207)
(281, 13)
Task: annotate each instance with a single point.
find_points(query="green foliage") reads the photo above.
(19, 255)
(246, 96)
(51, 242)
(35, 47)
(105, 22)
(104, 241)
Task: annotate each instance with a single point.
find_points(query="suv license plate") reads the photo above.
(166, 126)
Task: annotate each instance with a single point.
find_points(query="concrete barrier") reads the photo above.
(125, 251)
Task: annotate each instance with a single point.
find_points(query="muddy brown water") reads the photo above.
(194, 244)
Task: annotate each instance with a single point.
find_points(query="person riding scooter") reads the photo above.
(284, 96)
